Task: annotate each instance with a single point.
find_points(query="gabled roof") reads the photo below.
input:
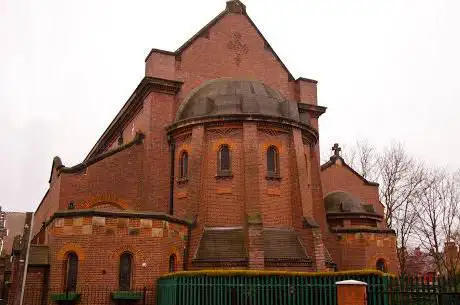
(334, 159)
(233, 7)
(171, 86)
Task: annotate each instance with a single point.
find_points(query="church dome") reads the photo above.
(341, 202)
(226, 96)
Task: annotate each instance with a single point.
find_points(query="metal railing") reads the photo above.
(262, 289)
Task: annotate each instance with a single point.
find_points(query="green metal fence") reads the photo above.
(423, 291)
(263, 289)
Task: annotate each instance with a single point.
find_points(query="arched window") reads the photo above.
(272, 161)
(172, 263)
(126, 262)
(71, 271)
(224, 159)
(381, 266)
(183, 165)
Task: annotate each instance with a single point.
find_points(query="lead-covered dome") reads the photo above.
(339, 202)
(224, 96)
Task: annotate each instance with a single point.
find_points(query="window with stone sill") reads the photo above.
(183, 167)
(273, 169)
(224, 162)
(172, 263)
(125, 271)
(71, 272)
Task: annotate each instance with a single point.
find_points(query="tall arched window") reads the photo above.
(172, 263)
(272, 161)
(183, 165)
(224, 159)
(381, 266)
(126, 262)
(71, 272)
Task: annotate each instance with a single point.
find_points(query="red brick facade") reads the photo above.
(126, 196)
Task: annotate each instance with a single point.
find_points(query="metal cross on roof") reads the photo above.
(336, 148)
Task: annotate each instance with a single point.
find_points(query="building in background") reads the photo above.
(212, 163)
(13, 225)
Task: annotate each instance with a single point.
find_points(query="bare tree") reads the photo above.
(438, 227)
(400, 179)
(363, 158)
(404, 220)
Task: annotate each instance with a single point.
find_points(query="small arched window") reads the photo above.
(223, 159)
(183, 165)
(381, 266)
(71, 271)
(125, 269)
(272, 161)
(172, 263)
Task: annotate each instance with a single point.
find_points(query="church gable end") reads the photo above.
(337, 175)
(229, 46)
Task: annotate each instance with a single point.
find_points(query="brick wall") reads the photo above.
(339, 178)
(362, 250)
(114, 180)
(35, 291)
(99, 242)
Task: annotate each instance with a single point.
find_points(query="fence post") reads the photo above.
(351, 292)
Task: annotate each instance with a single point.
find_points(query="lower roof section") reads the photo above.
(227, 245)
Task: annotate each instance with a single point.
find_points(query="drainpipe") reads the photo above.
(29, 240)
(172, 150)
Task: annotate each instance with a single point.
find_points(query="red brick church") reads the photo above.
(212, 163)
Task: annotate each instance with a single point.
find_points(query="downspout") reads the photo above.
(172, 150)
(24, 278)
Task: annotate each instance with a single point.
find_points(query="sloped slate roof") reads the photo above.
(222, 245)
(282, 244)
(228, 245)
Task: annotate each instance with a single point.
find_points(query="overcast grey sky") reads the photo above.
(387, 70)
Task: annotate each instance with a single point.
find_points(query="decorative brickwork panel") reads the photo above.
(98, 221)
(150, 253)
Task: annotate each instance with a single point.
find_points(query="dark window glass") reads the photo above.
(224, 158)
(184, 165)
(272, 160)
(125, 271)
(380, 265)
(71, 271)
(172, 263)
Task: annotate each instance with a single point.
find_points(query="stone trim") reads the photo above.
(317, 111)
(138, 139)
(116, 214)
(308, 80)
(362, 215)
(131, 107)
(362, 230)
(307, 130)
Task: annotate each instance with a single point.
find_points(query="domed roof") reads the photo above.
(341, 202)
(228, 96)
